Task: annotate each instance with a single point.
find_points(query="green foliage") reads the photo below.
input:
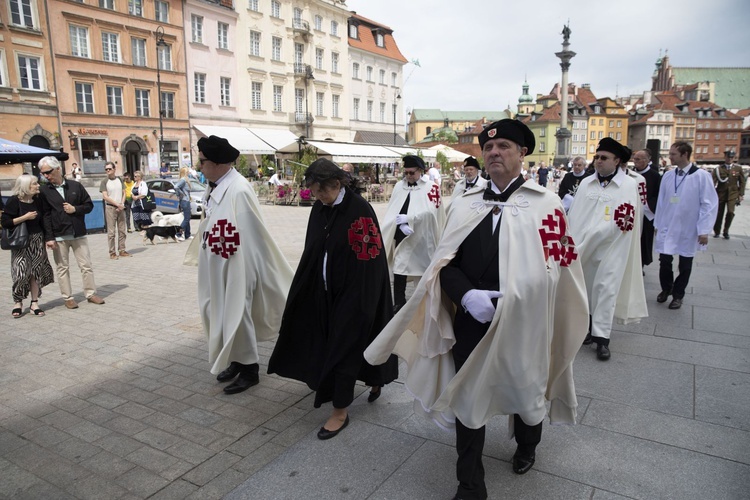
(242, 165)
(307, 156)
(442, 160)
(446, 135)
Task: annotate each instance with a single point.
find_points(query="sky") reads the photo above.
(474, 54)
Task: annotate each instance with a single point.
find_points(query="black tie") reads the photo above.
(470, 185)
(211, 184)
(490, 195)
(680, 172)
(412, 184)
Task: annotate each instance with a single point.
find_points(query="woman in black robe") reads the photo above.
(339, 301)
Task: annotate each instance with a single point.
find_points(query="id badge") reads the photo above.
(674, 200)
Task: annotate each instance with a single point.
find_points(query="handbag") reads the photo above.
(147, 203)
(16, 238)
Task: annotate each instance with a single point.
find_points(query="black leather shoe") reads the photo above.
(324, 433)
(602, 352)
(726, 236)
(374, 395)
(523, 464)
(675, 304)
(587, 340)
(662, 297)
(244, 382)
(232, 371)
(716, 235)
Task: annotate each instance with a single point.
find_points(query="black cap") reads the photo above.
(414, 161)
(217, 149)
(470, 161)
(612, 146)
(513, 130)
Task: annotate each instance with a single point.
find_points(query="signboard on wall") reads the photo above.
(153, 164)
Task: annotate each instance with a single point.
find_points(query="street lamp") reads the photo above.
(160, 43)
(395, 107)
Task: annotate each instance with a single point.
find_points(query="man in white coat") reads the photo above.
(497, 319)
(685, 213)
(605, 220)
(243, 278)
(411, 227)
(471, 178)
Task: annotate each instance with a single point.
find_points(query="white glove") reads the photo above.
(406, 229)
(401, 219)
(478, 303)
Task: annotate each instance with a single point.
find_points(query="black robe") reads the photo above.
(569, 184)
(653, 182)
(327, 328)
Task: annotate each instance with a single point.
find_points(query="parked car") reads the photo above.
(166, 199)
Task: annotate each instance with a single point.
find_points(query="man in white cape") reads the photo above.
(495, 324)
(605, 220)
(411, 226)
(243, 278)
(471, 179)
(685, 214)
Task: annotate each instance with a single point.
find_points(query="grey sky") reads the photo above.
(474, 53)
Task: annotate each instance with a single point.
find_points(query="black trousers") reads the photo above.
(470, 445)
(399, 290)
(729, 207)
(666, 274)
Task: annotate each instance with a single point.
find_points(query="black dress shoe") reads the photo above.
(716, 235)
(244, 382)
(374, 395)
(662, 297)
(523, 464)
(324, 433)
(602, 352)
(587, 340)
(726, 236)
(232, 371)
(675, 304)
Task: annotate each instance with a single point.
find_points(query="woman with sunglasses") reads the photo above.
(141, 216)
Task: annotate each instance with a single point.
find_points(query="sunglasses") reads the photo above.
(108, 169)
(413, 172)
(602, 158)
(46, 172)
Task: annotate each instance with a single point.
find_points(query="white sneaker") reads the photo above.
(180, 238)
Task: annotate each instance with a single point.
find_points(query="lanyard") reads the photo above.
(684, 176)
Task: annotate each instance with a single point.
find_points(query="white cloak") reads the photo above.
(426, 216)
(527, 354)
(685, 210)
(461, 186)
(243, 278)
(606, 225)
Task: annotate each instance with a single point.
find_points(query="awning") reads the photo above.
(348, 152)
(276, 138)
(427, 154)
(15, 152)
(453, 155)
(239, 137)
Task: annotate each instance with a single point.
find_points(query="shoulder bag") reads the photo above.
(16, 238)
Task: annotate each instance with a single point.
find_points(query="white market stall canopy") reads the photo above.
(453, 155)
(348, 152)
(256, 141)
(277, 138)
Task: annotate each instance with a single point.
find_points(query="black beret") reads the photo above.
(470, 161)
(612, 146)
(513, 130)
(414, 161)
(217, 149)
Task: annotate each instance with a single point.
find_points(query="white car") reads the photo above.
(166, 199)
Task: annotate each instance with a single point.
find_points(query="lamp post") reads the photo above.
(395, 107)
(160, 43)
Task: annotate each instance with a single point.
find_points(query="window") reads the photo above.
(335, 105)
(318, 58)
(142, 103)
(334, 28)
(299, 104)
(542, 147)
(601, 122)
(199, 82)
(161, 9)
(369, 111)
(319, 99)
(619, 136)
(601, 134)
(223, 34)
(593, 136)
(619, 123)
(22, 13)
(381, 80)
(575, 150)
(299, 53)
(716, 149)
(167, 104)
(717, 136)
(369, 74)
(135, 7)
(85, 97)
(355, 109)
(334, 62)
(543, 132)
(382, 112)
(79, 41)
(253, 5)
(256, 91)
(353, 31)
(138, 49)
(355, 71)
(196, 23)
(276, 48)
(255, 43)
(114, 100)
(3, 70)
(165, 57)
(28, 67)
(318, 23)
(393, 79)
(297, 17)
(107, 4)
(379, 39)
(275, 9)
(225, 85)
(583, 126)
(611, 135)
(278, 92)
(110, 47)
(611, 124)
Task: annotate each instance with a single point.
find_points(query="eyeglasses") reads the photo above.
(108, 169)
(413, 172)
(602, 158)
(46, 172)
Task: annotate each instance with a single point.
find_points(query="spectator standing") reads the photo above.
(113, 193)
(76, 171)
(543, 174)
(182, 190)
(129, 183)
(141, 216)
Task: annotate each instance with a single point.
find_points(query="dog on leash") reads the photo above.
(160, 219)
(165, 232)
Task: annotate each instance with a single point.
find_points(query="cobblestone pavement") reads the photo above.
(116, 401)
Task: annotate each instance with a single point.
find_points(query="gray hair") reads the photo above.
(23, 185)
(50, 161)
(579, 158)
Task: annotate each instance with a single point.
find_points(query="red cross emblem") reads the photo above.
(556, 241)
(434, 195)
(625, 217)
(642, 193)
(364, 238)
(224, 239)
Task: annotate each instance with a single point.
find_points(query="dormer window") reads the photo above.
(597, 109)
(379, 39)
(354, 31)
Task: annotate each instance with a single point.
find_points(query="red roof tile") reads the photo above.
(367, 43)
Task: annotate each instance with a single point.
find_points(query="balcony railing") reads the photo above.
(300, 26)
(300, 117)
(303, 70)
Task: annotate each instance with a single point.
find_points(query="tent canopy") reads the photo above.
(239, 137)
(348, 152)
(453, 155)
(15, 152)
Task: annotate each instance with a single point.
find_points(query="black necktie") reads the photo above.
(606, 180)
(470, 185)
(412, 184)
(680, 172)
(211, 184)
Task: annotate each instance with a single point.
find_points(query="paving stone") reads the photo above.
(95, 488)
(125, 425)
(157, 438)
(722, 320)
(75, 450)
(118, 444)
(211, 468)
(722, 396)
(218, 487)
(252, 441)
(141, 482)
(177, 490)
(134, 410)
(46, 436)
(108, 464)
(258, 459)
(199, 416)
(191, 452)
(88, 431)
(107, 400)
